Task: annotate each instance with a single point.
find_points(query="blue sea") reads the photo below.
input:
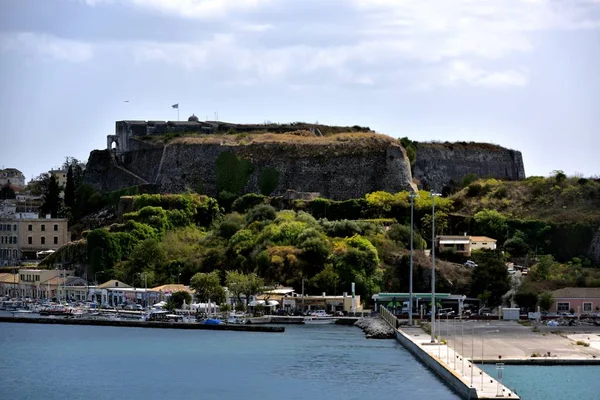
(306, 362)
(533, 382)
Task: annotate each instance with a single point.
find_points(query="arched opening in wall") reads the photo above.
(114, 146)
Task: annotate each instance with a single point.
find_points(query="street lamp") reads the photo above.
(411, 196)
(145, 288)
(96, 285)
(433, 196)
(482, 339)
(178, 275)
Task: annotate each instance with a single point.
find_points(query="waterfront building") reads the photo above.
(322, 302)
(45, 283)
(9, 242)
(9, 284)
(576, 300)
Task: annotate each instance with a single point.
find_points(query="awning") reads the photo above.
(459, 241)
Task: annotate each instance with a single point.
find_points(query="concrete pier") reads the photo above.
(463, 376)
(143, 324)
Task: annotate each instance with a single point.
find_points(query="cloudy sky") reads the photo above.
(524, 74)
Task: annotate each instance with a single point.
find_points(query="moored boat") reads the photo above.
(318, 321)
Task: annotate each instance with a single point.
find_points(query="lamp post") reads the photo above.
(96, 284)
(178, 275)
(145, 288)
(410, 283)
(433, 196)
(482, 339)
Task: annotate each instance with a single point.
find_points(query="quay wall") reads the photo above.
(450, 377)
(143, 324)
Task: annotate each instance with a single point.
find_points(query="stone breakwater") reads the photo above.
(376, 328)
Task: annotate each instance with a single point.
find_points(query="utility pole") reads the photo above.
(410, 289)
(433, 196)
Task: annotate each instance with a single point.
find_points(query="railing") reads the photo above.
(388, 317)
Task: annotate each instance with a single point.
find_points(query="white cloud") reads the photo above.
(463, 72)
(46, 46)
(366, 42)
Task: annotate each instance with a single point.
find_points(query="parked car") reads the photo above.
(319, 313)
(470, 264)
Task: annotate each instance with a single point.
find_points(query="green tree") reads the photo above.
(7, 192)
(268, 180)
(244, 284)
(491, 276)
(441, 222)
(70, 189)
(208, 287)
(546, 300)
(526, 299)
(544, 267)
(491, 223)
(401, 234)
(148, 255)
(261, 212)
(103, 250)
(516, 246)
(50, 195)
(179, 297)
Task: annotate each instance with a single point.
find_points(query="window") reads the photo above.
(484, 244)
(15, 254)
(15, 228)
(43, 240)
(29, 240)
(43, 227)
(15, 239)
(55, 227)
(55, 239)
(30, 227)
(587, 307)
(8, 227)
(1, 239)
(37, 278)
(562, 307)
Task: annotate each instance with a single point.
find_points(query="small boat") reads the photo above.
(236, 318)
(318, 321)
(212, 321)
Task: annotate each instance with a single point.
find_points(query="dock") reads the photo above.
(463, 375)
(143, 324)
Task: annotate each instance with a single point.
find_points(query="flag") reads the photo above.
(175, 105)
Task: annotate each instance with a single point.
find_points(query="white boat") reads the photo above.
(318, 321)
(236, 318)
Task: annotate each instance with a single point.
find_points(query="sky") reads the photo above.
(524, 74)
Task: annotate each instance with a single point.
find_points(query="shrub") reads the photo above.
(247, 201)
(261, 212)
(268, 180)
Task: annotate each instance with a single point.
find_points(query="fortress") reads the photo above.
(335, 162)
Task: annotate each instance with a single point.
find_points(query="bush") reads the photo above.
(268, 180)
(247, 201)
(262, 212)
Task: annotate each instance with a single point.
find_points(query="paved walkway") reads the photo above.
(472, 376)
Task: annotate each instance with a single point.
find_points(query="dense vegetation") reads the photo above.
(544, 222)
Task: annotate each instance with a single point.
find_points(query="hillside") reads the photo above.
(557, 199)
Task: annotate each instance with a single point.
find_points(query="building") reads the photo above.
(41, 234)
(323, 302)
(43, 283)
(61, 177)
(12, 176)
(9, 284)
(576, 300)
(9, 242)
(464, 244)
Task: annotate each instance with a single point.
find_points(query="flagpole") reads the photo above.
(177, 112)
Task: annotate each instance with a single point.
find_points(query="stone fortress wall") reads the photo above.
(334, 170)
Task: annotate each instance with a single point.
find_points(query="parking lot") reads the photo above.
(509, 339)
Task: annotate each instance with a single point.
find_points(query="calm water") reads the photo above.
(306, 362)
(552, 382)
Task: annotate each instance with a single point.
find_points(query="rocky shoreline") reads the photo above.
(376, 328)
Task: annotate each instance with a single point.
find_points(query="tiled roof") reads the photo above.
(576, 293)
(172, 288)
(9, 278)
(482, 239)
(113, 284)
